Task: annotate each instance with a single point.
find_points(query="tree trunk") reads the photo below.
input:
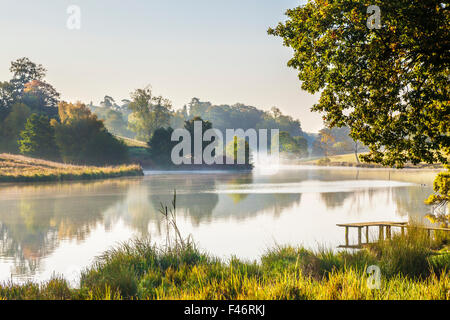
(356, 152)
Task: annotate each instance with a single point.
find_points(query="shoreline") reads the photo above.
(371, 166)
(21, 169)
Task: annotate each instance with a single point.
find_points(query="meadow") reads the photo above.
(16, 168)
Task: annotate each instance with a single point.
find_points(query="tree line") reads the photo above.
(35, 123)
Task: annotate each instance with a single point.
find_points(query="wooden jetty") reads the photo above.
(382, 226)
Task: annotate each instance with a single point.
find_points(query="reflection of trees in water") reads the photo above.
(410, 202)
(358, 200)
(334, 200)
(198, 200)
(255, 204)
(35, 218)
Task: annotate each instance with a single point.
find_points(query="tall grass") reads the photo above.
(410, 269)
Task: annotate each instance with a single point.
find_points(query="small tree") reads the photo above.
(83, 139)
(161, 146)
(11, 127)
(38, 138)
(440, 200)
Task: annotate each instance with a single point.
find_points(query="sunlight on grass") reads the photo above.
(15, 168)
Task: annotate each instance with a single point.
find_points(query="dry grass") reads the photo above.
(16, 168)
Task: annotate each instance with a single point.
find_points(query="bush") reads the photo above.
(38, 139)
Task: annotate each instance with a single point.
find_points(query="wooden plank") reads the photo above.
(388, 224)
(365, 224)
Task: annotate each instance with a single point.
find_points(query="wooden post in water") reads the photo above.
(359, 235)
(388, 232)
(381, 233)
(346, 236)
(367, 234)
(403, 231)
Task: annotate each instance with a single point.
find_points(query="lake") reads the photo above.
(59, 228)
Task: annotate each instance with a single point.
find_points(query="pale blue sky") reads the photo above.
(218, 51)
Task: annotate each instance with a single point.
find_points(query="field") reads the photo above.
(15, 168)
(132, 142)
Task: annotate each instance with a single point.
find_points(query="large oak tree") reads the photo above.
(389, 85)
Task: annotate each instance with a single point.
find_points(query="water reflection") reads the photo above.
(298, 204)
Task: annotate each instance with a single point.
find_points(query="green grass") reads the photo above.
(411, 268)
(132, 142)
(15, 168)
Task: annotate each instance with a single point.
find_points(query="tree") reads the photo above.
(293, 146)
(40, 95)
(107, 102)
(389, 85)
(326, 140)
(70, 111)
(189, 126)
(161, 146)
(148, 113)
(13, 124)
(83, 139)
(6, 99)
(116, 124)
(28, 86)
(441, 199)
(38, 138)
(233, 148)
(25, 71)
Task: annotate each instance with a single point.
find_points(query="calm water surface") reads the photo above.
(51, 228)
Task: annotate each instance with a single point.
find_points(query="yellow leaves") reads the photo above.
(32, 86)
(78, 110)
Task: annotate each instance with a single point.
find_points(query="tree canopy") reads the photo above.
(148, 113)
(388, 85)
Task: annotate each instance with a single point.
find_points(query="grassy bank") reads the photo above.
(411, 268)
(15, 168)
(349, 160)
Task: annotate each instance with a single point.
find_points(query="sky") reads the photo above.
(214, 50)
